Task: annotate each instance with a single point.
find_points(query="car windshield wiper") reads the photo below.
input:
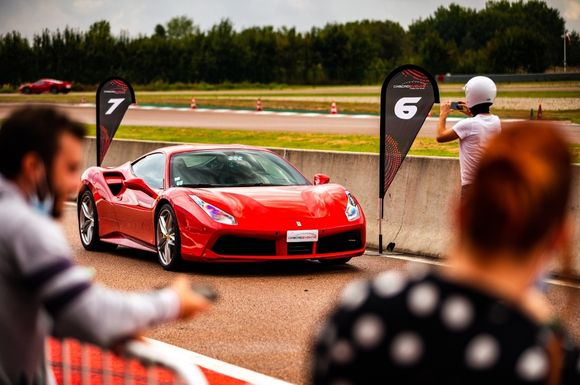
(198, 185)
(254, 185)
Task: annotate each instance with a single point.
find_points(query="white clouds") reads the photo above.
(572, 11)
(87, 5)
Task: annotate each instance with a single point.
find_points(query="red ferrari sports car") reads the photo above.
(46, 85)
(219, 203)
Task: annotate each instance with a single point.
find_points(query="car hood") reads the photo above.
(289, 202)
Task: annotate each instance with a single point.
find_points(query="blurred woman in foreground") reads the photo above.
(480, 321)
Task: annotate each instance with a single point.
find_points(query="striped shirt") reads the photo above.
(42, 292)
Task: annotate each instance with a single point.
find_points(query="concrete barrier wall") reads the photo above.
(417, 207)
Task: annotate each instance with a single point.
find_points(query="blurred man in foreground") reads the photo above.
(42, 291)
(481, 320)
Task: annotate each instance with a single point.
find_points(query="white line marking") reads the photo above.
(243, 112)
(230, 370)
(363, 117)
(428, 261)
(287, 113)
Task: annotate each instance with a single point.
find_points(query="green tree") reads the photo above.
(180, 27)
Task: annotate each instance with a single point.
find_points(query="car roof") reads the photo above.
(170, 150)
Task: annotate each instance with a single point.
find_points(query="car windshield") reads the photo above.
(232, 168)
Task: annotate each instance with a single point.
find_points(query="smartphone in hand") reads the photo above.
(456, 106)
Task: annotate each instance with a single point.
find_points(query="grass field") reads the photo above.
(327, 142)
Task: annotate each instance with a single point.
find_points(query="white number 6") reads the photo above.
(115, 103)
(405, 108)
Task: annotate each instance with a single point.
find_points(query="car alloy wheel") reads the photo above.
(167, 238)
(87, 219)
(89, 224)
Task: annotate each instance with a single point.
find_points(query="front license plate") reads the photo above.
(302, 236)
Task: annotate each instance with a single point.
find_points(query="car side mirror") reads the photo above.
(321, 179)
(139, 185)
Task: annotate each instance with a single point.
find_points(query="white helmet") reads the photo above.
(478, 90)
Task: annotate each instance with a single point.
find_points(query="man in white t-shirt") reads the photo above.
(474, 131)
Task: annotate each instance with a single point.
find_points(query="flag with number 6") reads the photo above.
(114, 96)
(407, 95)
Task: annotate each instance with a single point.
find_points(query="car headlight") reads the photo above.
(213, 212)
(352, 210)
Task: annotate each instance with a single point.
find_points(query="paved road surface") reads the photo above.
(267, 313)
(249, 120)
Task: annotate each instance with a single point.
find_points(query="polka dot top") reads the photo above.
(428, 330)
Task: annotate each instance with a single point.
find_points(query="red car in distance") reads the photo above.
(46, 85)
(219, 203)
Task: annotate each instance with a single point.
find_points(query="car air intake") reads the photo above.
(234, 245)
(348, 241)
(300, 248)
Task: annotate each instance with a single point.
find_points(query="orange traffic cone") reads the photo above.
(259, 105)
(333, 109)
(540, 112)
(193, 104)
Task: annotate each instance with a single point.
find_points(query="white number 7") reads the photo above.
(115, 103)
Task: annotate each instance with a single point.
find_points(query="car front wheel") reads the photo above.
(53, 90)
(167, 238)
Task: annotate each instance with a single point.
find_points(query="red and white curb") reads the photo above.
(229, 370)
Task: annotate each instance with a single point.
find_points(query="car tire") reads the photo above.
(26, 90)
(167, 238)
(88, 219)
(53, 90)
(335, 261)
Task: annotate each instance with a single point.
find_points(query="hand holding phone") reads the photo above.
(461, 107)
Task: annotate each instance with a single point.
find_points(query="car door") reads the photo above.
(135, 206)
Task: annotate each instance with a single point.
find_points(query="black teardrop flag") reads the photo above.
(114, 96)
(407, 95)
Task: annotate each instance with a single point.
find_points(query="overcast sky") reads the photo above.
(141, 16)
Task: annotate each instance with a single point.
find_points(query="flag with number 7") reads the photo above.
(114, 96)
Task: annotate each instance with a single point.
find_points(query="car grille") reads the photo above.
(348, 241)
(300, 248)
(234, 245)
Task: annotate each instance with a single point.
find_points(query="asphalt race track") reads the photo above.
(268, 312)
(250, 120)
